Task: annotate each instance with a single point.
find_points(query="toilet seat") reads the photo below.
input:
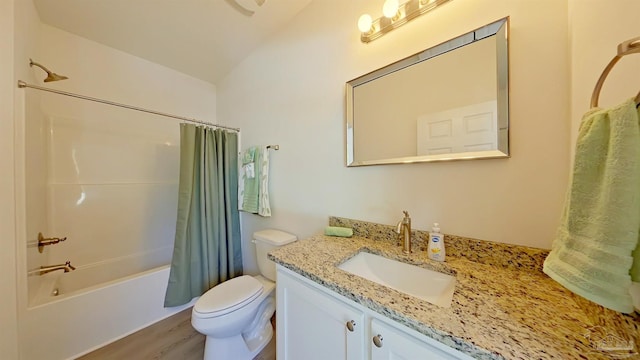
(228, 297)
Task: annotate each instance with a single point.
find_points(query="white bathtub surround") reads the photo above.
(95, 167)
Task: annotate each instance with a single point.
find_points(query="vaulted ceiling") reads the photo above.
(201, 38)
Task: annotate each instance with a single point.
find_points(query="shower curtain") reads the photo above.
(207, 242)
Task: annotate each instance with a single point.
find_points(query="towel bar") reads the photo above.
(628, 47)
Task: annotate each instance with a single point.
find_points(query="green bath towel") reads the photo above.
(592, 253)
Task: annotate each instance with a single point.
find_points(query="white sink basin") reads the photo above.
(428, 285)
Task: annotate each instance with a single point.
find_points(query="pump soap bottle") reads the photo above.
(435, 249)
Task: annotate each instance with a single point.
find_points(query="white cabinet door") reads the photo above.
(389, 342)
(313, 325)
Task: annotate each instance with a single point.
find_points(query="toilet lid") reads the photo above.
(228, 296)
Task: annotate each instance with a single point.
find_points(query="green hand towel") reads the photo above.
(592, 253)
(338, 231)
(250, 196)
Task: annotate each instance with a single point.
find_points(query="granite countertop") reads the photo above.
(497, 312)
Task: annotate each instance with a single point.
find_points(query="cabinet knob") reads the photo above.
(377, 340)
(351, 325)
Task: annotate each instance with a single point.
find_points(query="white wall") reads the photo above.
(597, 27)
(8, 302)
(26, 44)
(31, 134)
(104, 72)
(291, 92)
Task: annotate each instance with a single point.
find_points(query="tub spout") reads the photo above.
(69, 267)
(66, 267)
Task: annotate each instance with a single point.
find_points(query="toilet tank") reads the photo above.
(267, 240)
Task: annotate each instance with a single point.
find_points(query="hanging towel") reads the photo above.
(599, 228)
(248, 166)
(253, 187)
(250, 184)
(264, 207)
(249, 170)
(248, 155)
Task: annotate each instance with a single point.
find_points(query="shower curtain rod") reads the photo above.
(22, 84)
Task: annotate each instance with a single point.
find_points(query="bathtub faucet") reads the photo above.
(42, 241)
(47, 269)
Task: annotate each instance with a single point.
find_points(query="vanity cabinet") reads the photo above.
(313, 325)
(316, 323)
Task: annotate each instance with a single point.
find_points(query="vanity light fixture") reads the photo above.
(395, 15)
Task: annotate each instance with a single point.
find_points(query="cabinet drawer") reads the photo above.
(390, 342)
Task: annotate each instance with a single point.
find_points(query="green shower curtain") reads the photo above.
(207, 243)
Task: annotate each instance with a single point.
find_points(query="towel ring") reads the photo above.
(628, 47)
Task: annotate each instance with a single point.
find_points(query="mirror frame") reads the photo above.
(498, 28)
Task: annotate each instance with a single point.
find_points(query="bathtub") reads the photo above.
(81, 319)
(95, 275)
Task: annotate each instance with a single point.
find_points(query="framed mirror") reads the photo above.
(449, 102)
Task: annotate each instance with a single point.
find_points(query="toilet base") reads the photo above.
(236, 347)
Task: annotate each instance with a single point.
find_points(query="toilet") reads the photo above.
(235, 315)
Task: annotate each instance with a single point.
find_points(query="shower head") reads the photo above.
(50, 75)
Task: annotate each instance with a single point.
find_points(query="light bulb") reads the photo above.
(364, 23)
(390, 8)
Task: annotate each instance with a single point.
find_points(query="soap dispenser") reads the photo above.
(435, 249)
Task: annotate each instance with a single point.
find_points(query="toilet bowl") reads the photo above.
(235, 315)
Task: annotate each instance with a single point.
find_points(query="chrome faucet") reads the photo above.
(47, 269)
(404, 231)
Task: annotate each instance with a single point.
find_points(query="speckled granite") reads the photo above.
(481, 251)
(497, 312)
